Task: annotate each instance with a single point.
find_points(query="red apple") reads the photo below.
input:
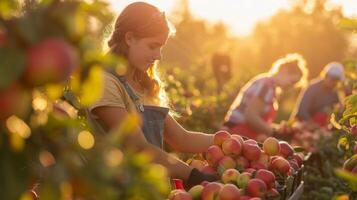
(262, 162)
(230, 176)
(271, 146)
(180, 195)
(256, 188)
(196, 192)
(211, 190)
(245, 197)
(214, 154)
(272, 193)
(267, 176)
(251, 141)
(299, 158)
(281, 166)
(51, 60)
(286, 150)
(251, 151)
(220, 137)
(229, 192)
(239, 138)
(225, 163)
(231, 146)
(242, 163)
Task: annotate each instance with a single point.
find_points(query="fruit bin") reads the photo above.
(269, 170)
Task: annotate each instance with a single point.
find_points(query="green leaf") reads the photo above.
(299, 149)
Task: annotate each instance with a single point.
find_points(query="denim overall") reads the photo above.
(153, 116)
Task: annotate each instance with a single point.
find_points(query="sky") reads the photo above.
(239, 15)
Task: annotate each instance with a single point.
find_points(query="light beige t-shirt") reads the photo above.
(115, 95)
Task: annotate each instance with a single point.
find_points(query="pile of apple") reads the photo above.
(247, 170)
(302, 134)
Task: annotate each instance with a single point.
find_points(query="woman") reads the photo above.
(140, 32)
(254, 108)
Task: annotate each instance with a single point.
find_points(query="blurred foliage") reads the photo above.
(48, 146)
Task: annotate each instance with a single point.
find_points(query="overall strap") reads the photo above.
(130, 91)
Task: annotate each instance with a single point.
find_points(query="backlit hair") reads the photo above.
(143, 20)
(293, 64)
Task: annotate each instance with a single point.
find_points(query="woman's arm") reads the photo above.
(185, 141)
(253, 111)
(110, 118)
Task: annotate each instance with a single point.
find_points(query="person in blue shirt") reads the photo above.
(316, 102)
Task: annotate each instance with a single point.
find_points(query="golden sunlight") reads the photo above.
(239, 15)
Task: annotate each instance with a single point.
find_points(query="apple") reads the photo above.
(271, 146)
(180, 195)
(51, 60)
(281, 166)
(262, 162)
(293, 163)
(272, 193)
(220, 137)
(231, 146)
(251, 141)
(299, 158)
(243, 179)
(225, 163)
(257, 165)
(196, 192)
(214, 154)
(251, 151)
(256, 188)
(211, 190)
(239, 138)
(229, 192)
(242, 163)
(230, 176)
(286, 150)
(267, 176)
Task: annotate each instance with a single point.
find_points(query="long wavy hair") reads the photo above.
(143, 20)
